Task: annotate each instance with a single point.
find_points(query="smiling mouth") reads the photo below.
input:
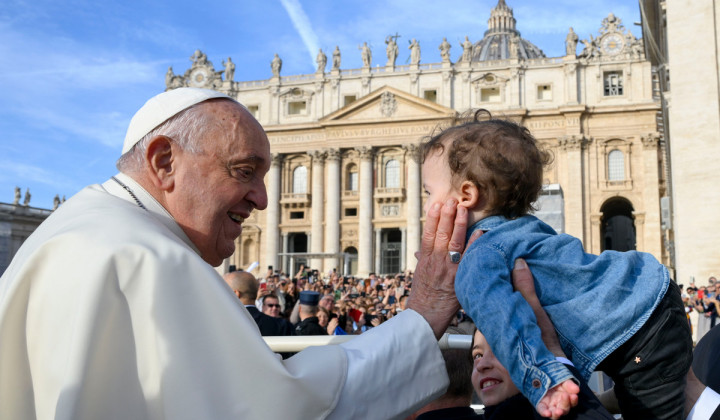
(489, 383)
(236, 218)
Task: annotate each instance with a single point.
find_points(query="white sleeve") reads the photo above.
(705, 406)
(393, 370)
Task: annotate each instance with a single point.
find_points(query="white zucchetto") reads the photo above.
(162, 107)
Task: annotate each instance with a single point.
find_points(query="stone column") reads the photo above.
(318, 197)
(332, 209)
(378, 247)
(414, 206)
(573, 146)
(272, 229)
(652, 240)
(365, 212)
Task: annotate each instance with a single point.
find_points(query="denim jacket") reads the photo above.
(597, 302)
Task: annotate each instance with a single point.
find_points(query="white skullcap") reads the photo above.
(162, 107)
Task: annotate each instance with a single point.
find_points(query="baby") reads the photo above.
(617, 311)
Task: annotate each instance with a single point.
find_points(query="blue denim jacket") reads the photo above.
(597, 302)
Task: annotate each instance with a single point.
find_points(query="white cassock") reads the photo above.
(108, 312)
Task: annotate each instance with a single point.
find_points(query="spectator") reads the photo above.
(455, 403)
(309, 322)
(245, 287)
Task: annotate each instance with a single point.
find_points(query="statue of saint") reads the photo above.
(56, 202)
(26, 202)
(17, 196)
(571, 42)
(392, 49)
(276, 65)
(366, 54)
(321, 61)
(336, 58)
(229, 69)
(414, 51)
(467, 50)
(445, 50)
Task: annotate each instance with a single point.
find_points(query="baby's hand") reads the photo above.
(559, 400)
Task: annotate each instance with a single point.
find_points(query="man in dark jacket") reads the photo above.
(245, 287)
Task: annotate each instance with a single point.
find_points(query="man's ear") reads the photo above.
(160, 159)
(469, 195)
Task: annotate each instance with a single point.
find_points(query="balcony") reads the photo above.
(389, 195)
(293, 200)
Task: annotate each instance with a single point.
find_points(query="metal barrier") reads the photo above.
(297, 343)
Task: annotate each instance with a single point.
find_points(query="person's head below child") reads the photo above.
(490, 166)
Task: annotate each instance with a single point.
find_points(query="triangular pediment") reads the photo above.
(388, 104)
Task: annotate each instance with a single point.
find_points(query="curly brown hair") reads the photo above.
(499, 156)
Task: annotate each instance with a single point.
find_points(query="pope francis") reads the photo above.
(112, 310)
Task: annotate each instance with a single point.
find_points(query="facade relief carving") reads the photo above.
(332, 155)
(650, 140)
(388, 104)
(365, 152)
(572, 142)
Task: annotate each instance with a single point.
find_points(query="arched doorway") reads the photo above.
(351, 266)
(617, 228)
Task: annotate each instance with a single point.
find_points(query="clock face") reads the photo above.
(613, 44)
(198, 77)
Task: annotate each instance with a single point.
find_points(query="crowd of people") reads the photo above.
(702, 300)
(346, 304)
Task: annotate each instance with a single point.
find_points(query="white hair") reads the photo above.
(186, 129)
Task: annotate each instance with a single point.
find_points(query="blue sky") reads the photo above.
(73, 72)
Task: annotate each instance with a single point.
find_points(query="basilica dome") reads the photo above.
(502, 41)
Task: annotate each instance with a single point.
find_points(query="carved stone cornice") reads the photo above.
(573, 142)
(332, 155)
(650, 140)
(365, 152)
(413, 151)
(277, 159)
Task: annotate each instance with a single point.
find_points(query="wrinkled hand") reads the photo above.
(559, 400)
(375, 322)
(433, 291)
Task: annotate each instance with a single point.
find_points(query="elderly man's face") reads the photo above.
(215, 191)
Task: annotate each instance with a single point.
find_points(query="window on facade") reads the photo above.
(348, 99)
(352, 178)
(297, 215)
(544, 93)
(490, 94)
(613, 83)
(392, 174)
(430, 95)
(297, 107)
(299, 181)
(351, 212)
(616, 166)
(254, 110)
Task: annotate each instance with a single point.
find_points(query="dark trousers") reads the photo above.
(649, 369)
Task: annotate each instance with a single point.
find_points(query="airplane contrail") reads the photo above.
(301, 22)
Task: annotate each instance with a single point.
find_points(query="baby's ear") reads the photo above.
(470, 195)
